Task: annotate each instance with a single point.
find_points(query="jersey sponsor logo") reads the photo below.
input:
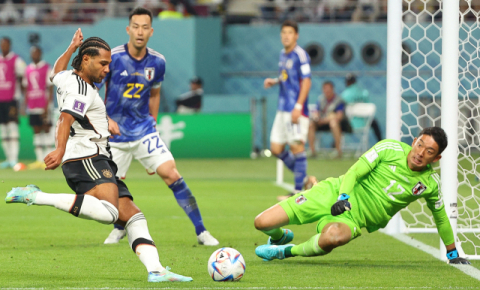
(371, 156)
(301, 199)
(419, 188)
(79, 106)
(124, 73)
(289, 64)
(149, 73)
(107, 173)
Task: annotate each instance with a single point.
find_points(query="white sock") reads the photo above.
(38, 144)
(5, 143)
(89, 208)
(12, 129)
(142, 243)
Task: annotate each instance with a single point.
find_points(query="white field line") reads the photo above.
(467, 269)
(287, 186)
(253, 288)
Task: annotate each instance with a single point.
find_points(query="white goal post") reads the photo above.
(438, 81)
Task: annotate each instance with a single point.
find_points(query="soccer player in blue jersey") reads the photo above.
(291, 121)
(132, 99)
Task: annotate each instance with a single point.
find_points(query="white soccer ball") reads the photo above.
(226, 264)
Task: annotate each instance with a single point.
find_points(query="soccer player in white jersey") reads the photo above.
(83, 151)
(291, 121)
(132, 100)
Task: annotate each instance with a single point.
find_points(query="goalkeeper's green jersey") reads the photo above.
(386, 185)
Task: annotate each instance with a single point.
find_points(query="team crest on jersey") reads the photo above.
(289, 64)
(301, 199)
(149, 73)
(419, 188)
(107, 173)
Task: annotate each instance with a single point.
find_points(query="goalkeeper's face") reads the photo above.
(424, 151)
(139, 30)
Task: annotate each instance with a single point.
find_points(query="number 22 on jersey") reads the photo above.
(136, 94)
(395, 190)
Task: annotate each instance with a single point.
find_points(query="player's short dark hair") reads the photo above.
(140, 11)
(290, 23)
(350, 79)
(89, 47)
(330, 83)
(439, 135)
(7, 39)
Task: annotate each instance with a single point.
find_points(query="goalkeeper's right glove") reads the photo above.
(341, 205)
(453, 258)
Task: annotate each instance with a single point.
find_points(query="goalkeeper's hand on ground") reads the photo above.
(341, 205)
(453, 258)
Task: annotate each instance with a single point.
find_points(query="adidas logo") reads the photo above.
(124, 73)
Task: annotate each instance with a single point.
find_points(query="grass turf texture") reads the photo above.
(42, 247)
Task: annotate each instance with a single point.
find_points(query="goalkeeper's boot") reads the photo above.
(270, 252)
(25, 195)
(167, 276)
(285, 239)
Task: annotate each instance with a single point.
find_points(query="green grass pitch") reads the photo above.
(41, 247)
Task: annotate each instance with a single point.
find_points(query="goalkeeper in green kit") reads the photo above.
(386, 179)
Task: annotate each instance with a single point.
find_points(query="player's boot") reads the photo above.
(167, 276)
(285, 239)
(270, 252)
(115, 236)
(23, 194)
(206, 239)
(5, 165)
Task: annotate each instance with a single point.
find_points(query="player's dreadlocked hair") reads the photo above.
(89, 47)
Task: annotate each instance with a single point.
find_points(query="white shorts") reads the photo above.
(150, 151)
(284, 131)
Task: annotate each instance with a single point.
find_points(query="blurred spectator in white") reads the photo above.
(32, 14)
(366, 10)
(60, 11)
(191, 101)
(8, 13)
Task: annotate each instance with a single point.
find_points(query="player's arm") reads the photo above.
(270, 82)
(154, 103)
(437, 207)
(62, 62)
(302, 97)
(54, 158)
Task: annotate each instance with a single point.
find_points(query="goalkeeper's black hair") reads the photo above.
(439, 135)
(140, 11)
(89, 47)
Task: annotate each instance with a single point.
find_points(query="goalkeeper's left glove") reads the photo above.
(341, 205)
(453, 258)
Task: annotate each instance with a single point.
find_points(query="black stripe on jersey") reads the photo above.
(72, 132)
(83, 121)
(82, 86)
(79, 86)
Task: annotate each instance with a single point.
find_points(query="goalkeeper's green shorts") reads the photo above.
(314, 205)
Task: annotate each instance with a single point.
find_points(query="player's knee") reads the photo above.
(260, 222)
(334, 123)
(337, 236)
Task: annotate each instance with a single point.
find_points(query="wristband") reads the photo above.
(452, 254)
(277, 80)
(298, 106)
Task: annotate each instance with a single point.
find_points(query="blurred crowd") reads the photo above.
(89, 11)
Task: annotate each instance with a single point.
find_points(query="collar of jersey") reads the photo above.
(93, 86)
(129, 55)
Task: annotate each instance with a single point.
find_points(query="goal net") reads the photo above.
(421, 106)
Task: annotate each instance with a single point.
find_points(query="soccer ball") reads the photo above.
(226, 264)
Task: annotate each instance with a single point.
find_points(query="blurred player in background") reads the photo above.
(12, 69)
(83, 152)
(291, 121)
(39, 99)
(386, 179)
(132, 100)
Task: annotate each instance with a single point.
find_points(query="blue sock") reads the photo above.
(300, 169)
(118, 227)
(287, 158)
(187, 201)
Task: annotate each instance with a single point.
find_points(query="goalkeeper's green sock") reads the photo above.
(275, 234)
(309, 248)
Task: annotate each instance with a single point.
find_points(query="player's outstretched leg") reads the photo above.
(333, 235)
(185, 199)
(142, 243)
(81, 205)
(270, 222)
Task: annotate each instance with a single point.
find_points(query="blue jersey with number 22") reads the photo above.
(127, 96)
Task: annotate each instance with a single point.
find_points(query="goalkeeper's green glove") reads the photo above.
(341, 205)
(453, 258)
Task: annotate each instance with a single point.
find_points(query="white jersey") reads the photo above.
(89, 133)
